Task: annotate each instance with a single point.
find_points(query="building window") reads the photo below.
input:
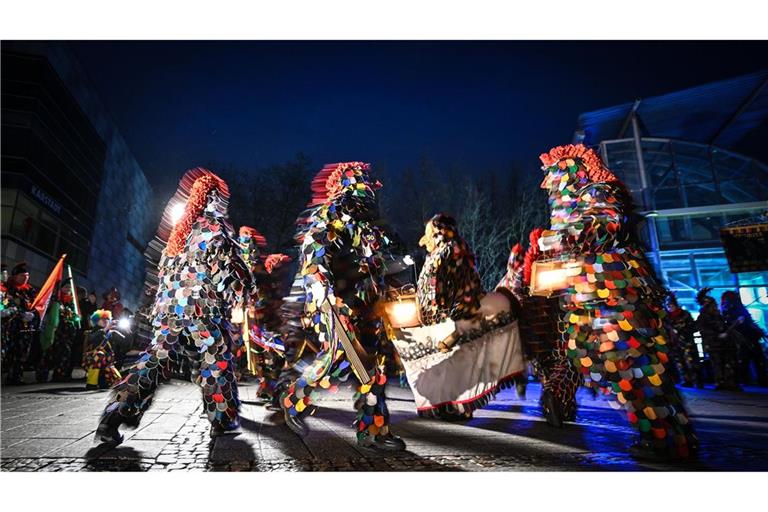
(33, 226)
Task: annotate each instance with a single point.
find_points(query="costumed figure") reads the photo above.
(265, 346)
(201, 275)
(543, 341)
(112, 302)
(250, 242)
(19, 323)
(717, 341)
(449, 285)
(267, 326)
(59, 337)
(458, 344)
(98, 352)
(342, 265)
(685, 354)
(748, 335)
(610, 300)
(3, 304)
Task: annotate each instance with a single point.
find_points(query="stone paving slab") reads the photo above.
(50, 428)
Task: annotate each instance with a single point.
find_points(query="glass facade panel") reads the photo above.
(683, 174)
(687, 175)
(28, 221)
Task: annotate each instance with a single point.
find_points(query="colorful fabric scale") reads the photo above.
(449, 285)
(201, 276)
(341, 261)
(612, 308)
(265, 348)
(544, 344)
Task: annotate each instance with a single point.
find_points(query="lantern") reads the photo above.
(403, 311)
(550, 277)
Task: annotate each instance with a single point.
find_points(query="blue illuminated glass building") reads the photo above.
(694, 160)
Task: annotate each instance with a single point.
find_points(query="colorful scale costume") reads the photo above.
(201, 276)
(19, 324)
(612, 305)
(250, 242)
(266, 346)
(449, 284)
(341, 261)
(543, 339)
(98, 353)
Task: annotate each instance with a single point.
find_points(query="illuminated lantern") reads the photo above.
(550, 277)
(403, 311)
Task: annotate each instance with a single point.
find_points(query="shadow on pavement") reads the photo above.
(106, 457)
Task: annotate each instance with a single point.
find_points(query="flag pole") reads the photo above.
(74, 294)
(40, 304)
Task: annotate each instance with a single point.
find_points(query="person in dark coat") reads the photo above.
(748, 336)
(718, 342)
(685, 354)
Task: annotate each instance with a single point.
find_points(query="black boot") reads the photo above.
(108, 430)
(552, 412)
(296, 423)
(385, 443)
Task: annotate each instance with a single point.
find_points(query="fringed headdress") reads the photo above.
(596, 171)
(333, 178)
(193, 192)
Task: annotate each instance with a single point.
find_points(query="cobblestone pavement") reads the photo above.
(50, 428)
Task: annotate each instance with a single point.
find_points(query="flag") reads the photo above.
(40, 304)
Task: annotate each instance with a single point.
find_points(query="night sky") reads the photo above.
(481, 105)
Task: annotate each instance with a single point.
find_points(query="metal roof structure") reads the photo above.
(720, 114)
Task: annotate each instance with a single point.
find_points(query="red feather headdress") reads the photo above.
(193, 191)
(531, 253)
(596, 171)
(327, 182)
